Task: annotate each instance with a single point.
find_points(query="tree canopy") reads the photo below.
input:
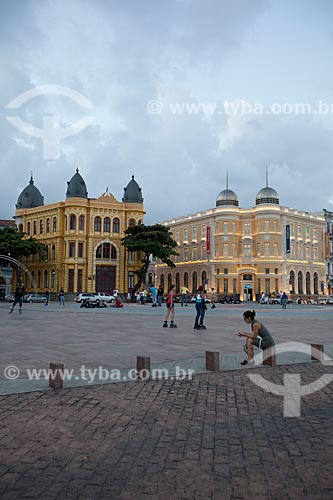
(154, 242)
(14, 244)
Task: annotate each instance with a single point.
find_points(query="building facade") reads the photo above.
(83, 236)
(6, 271)
(267, 248)
(329, 250)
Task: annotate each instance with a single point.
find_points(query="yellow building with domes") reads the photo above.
(267, 248)
(83, 236)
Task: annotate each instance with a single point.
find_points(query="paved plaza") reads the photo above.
(112, 338)
(217, 436)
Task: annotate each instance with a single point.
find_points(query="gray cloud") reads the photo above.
(120, 55)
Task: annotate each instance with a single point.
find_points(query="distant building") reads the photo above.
(83, 236)
(329, 250)
(267, 248)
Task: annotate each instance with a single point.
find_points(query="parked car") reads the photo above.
(94, 297)
(9, 297)
(86, 295)
(106, 297)
(34, 297)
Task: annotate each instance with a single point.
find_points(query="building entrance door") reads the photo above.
(105, 279)
(247, 294)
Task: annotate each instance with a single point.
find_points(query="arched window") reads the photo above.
(116, 225)
(52, 278)
(54, 224)
(307, 283)
(186, 280)
(39, 279)
(169, 281)
(107, 224)
(45, 279)
(41, 226)
(35, 227)
(47, 253)
(204, 279)
(33, 279)
(131, 223)
(300, 282)
(194, 282)
(162, 281)
(72, 222)
(97, 223)
(48, 225)
(81, 223)
(28, 228)
(20, 228)
(177, 283)
(53, 252)
(106, 251)
(292, 282)
(315, 284)
(139, 222)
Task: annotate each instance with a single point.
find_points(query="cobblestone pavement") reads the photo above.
(216, 437)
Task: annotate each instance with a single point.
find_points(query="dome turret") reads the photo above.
(227, 197)
(30, 197)
(76, 187)
(267, 195)
(132, 192)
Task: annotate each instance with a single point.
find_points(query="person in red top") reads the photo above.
(170, 308)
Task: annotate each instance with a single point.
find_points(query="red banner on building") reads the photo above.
(208, 239)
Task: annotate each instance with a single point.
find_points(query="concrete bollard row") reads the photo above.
(56, 377)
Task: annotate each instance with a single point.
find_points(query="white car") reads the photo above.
(106, 297)
(94, 297)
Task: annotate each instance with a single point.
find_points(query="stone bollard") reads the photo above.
(317, 356)
(143, 367)
(56, 378)
(212, 361)
(269, 356)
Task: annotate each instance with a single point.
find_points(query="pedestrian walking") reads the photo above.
(183, 299)
(160, 296)
(18, 298)
(260, 336)
(61, 297)
(200, 307)
(170, 308)
(47, 295)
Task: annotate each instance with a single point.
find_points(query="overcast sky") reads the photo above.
(121, 54)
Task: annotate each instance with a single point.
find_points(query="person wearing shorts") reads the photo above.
(170, 308)
(260, 336)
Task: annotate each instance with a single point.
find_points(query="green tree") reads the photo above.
(153, 241)
(16, 245)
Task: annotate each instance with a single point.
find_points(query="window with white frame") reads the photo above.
(247, 250)
(203, 232)
(276, 249)
(315, 254)
(299, 231)
(247, 228)
(177, 237)
(234, 253)
(307, 253)
(315, 234)
(185, 234)
(195, 253)
(225, 250)
(266, 226)
(194, 233)
(267, 249)
(185, 253)
(225, 227)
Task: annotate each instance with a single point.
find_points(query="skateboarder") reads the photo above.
(170, 308)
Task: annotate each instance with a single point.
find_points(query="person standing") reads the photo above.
(153, 291)
(18, 298)
(159, 296)
(184, 291)
(260, 336)
(200, 307)
(213, 299)
(170, 308)
(47, 294)
(284, 300)
(61, 296)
